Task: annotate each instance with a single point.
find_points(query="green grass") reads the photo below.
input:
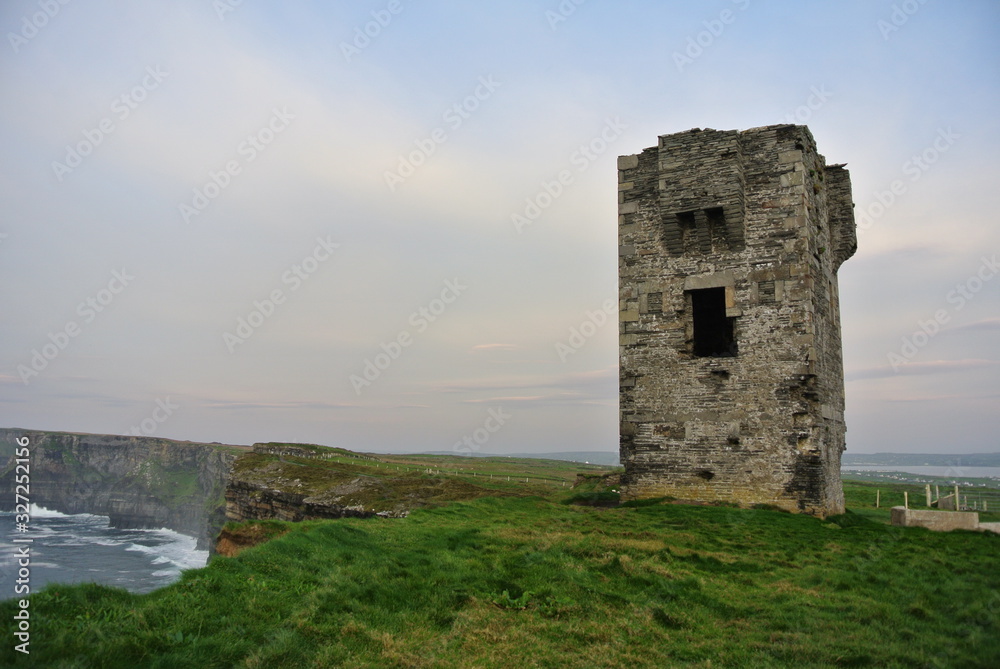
(532, 581)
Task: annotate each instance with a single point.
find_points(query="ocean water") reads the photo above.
(81, 548)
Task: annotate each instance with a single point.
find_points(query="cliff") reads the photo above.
(305, 482)
(138, 482)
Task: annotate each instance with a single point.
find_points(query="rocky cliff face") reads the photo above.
(296, 482)
(303, 482)
(136, 481)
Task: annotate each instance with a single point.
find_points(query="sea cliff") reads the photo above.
(138, 482)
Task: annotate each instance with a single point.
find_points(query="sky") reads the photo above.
(343, 223)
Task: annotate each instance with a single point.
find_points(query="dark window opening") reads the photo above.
(713, 330)
(716, 217)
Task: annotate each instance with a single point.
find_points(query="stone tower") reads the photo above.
(731, 375)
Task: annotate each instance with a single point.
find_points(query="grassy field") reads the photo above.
(547, 580)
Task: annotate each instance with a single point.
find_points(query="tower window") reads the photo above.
(713, 330)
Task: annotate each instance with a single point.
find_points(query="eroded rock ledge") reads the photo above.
(303, 482)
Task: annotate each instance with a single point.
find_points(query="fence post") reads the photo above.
(878, 497)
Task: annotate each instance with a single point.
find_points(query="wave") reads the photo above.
(76, 548)
(178, 550)
(37, 511)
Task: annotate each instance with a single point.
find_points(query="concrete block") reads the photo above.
(939, 521)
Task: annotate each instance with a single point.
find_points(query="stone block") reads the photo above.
(628, 162)
(786, 157)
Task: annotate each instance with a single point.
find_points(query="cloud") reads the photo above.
(938, 398)
(279, 406)
(985, 325)
(529, 398)
(920, 369)
(552, 399)
(494, 347)
(575, 379)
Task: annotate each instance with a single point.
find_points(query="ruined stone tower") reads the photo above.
(731, 376)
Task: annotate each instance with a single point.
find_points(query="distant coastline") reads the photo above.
(921, 460)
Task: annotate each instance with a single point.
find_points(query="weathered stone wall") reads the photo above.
(758, 216)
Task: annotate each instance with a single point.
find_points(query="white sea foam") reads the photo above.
(41, 512)
(82, 547)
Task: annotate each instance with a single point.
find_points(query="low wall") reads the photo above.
(942, 521)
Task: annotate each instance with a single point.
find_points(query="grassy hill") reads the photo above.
(545, 577)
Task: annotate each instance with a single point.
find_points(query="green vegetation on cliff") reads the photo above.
(307, 481)
(533, 581)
